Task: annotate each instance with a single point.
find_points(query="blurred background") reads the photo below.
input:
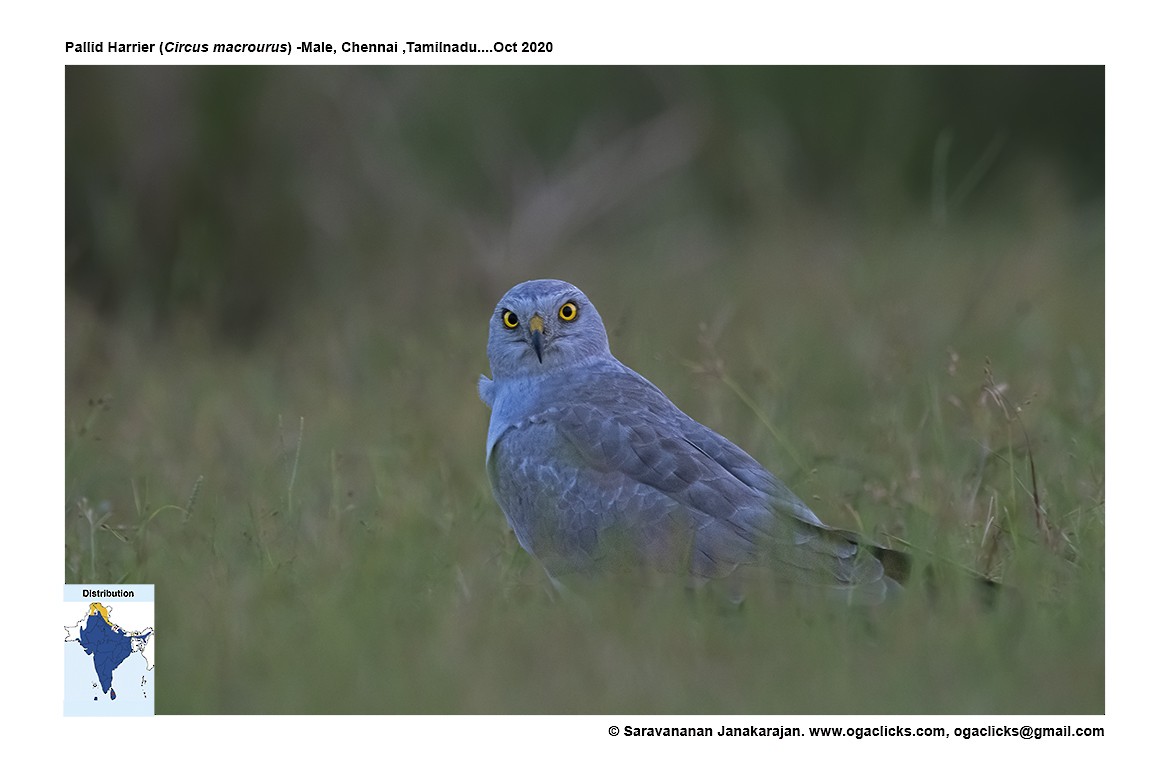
(885, 283)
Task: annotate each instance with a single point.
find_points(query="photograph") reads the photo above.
(555, 389)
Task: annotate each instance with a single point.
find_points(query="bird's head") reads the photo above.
(542, 326)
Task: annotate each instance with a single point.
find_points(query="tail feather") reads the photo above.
(899, 566)
(896, 564)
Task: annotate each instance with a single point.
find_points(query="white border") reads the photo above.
(1123, 37)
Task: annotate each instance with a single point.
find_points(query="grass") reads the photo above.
(314, 513)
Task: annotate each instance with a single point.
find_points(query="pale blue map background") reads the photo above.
(116, 675)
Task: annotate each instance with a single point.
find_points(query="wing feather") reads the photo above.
(667, 470)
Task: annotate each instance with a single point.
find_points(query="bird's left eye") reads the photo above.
(568, 312)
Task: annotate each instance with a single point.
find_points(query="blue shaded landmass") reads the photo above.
(109, 648)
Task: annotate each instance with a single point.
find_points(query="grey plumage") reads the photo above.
(595, 468)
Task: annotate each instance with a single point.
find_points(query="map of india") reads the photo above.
(109, 645)
(116, 656)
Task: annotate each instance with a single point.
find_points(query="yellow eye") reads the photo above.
(510, 320)
(568, 312)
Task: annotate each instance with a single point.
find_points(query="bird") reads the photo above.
(595, 469)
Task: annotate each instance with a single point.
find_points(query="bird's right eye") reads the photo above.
(511, 321)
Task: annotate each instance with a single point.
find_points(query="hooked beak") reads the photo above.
(536, 331)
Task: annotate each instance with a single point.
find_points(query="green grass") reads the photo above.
(314, 512)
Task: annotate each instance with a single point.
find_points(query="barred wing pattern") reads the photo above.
(607, 472)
